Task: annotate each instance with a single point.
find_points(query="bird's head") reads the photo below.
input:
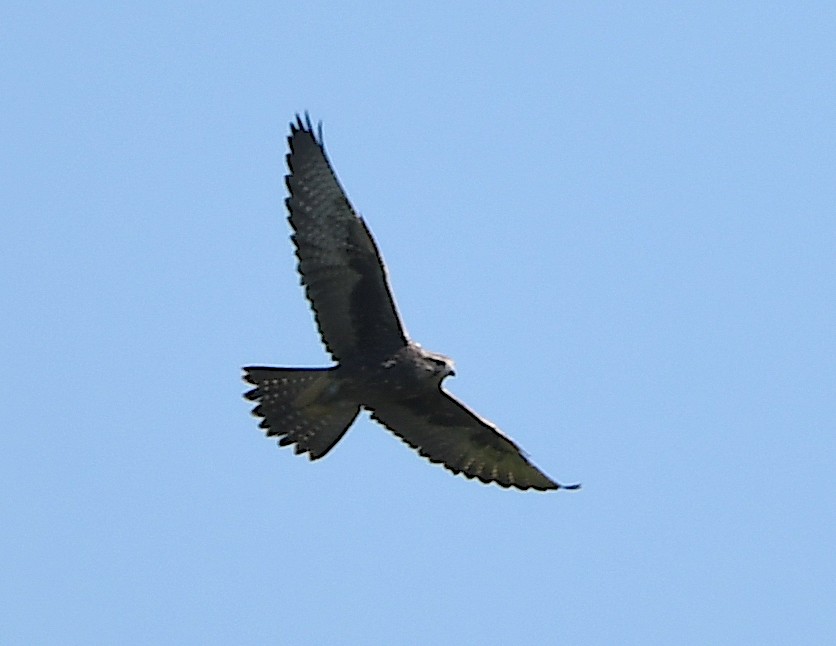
(439, 365)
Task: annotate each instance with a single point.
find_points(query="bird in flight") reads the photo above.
(377, 367)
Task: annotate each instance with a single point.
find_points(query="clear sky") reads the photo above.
(618, 218)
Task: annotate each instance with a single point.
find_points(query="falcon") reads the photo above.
(377, 367)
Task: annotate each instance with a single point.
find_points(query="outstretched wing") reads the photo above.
(444, 430)
(341, 268)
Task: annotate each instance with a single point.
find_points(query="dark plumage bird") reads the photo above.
(378, 368)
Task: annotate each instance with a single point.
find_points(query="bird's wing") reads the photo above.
(341, 267)
(444, 430)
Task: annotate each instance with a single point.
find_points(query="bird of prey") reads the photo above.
(378, 368)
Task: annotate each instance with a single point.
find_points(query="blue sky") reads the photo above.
(618, 219)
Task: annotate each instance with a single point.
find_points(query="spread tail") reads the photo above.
(299, 406)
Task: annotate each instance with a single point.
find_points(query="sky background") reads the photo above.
(618, 218)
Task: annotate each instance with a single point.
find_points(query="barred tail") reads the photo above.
(298, 405)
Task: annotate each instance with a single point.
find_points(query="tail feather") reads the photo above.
(297, 407)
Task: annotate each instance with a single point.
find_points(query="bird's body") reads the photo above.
(378, 367)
